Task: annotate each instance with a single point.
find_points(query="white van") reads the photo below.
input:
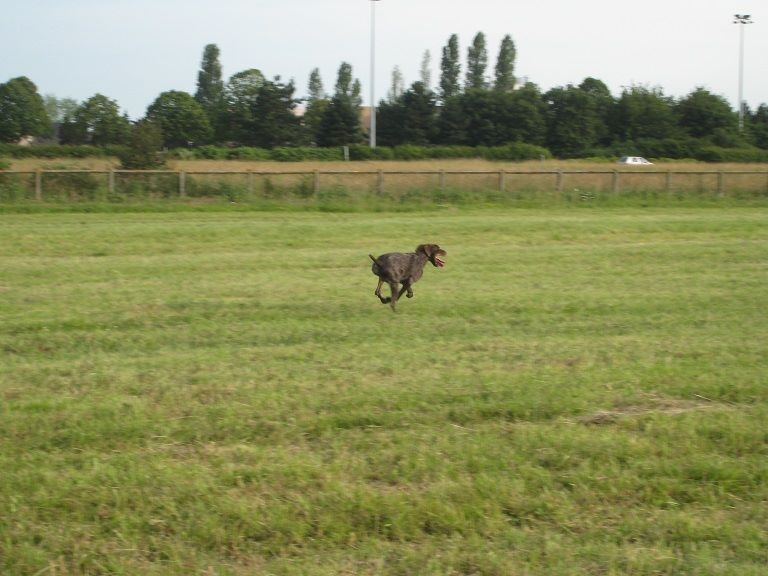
(633, 160)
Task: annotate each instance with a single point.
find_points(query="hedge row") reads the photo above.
(514, 151)
(718, 154)
(60, 151)
(247, 153)
(517, 151)
(680, 149)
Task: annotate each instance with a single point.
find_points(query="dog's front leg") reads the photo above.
(406, 289)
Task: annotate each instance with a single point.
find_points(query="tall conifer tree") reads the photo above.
(505, 66)
(317, 102)
(210, 88)
(341, 121)
(425, 72)
(477, 63)
(450, 69)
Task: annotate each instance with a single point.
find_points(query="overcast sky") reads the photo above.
(133, 50)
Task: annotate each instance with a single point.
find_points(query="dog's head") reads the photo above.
(433, 253)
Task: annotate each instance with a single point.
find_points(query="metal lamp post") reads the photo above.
(741, 19)
(372, 131)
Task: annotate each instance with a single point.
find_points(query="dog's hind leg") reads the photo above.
(377, 292)
(395, 294)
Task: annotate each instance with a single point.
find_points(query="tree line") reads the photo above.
(473, 109)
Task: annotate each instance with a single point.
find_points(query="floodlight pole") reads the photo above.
(742, 20)
(372, 131)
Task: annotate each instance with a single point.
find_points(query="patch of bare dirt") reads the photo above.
(652, 405)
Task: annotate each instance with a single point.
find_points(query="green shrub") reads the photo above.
(516, 151)
(384, 153)
(201, 187)
(411, 152)
(452, 152)
(361, 152)
(140, 186)
(58, 151)
(247, 153)
(286, 154)
(15, 187)
(73, 186)
(143, 152)
(305, 188)
(719, 154)
(282, 154)
(211, 152)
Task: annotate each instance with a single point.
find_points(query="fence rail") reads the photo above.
(615, 181)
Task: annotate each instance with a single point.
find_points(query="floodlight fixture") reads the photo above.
(372, 129)
(741, 19)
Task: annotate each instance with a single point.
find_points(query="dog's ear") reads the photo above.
(429, 249)
(422, 248)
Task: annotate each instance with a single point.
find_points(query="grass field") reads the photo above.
(579, 392)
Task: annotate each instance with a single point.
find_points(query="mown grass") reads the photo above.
(578, 392)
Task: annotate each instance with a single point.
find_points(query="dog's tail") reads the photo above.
(373, 258)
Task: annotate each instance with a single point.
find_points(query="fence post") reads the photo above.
(502, 181)
(111, 185)
(250, 182)
(668, 182)
(182, 183)
(38, 184)
(442, 180)
(720, 182)
(316, 184)
(559, 181)
(380, 182)
(615, 182)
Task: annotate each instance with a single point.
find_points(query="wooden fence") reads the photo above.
(718, 182)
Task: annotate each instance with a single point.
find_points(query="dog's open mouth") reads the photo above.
(437, 262)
